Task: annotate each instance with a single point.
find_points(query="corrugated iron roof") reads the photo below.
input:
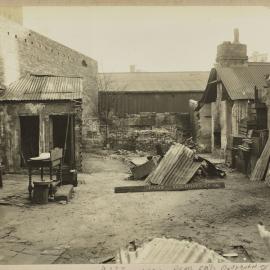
(44, 87)
(240, 81)
(170, 251)
(177, 167)
(156, 81)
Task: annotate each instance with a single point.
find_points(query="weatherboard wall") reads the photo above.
(122, 103)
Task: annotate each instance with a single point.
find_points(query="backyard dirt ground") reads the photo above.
(97, 222)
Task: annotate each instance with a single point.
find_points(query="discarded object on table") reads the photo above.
(178, 166)
(143, 170)
(50, 160)
(264, 234)
(168, 251)
(180, 187)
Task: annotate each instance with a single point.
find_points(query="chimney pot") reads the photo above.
(236, 35)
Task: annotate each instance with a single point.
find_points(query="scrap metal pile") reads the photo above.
(174, 171)
(168, 251)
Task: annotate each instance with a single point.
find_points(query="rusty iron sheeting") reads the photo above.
(177, 167)
(262, 164)
(169, 251)
(157, 81)
(44, 87)
(179, 187)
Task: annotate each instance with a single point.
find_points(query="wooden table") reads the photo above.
(55, 159)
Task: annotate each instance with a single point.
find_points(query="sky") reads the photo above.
(152, 38)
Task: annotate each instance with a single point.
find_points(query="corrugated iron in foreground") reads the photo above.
(177, 167)
(170, 251)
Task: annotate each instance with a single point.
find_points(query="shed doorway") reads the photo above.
(62, 136)
(29, 138)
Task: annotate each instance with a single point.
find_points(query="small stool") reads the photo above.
(41, 191)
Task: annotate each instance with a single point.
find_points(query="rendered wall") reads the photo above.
(10, 147)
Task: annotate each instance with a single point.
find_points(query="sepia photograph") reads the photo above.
(134, 133)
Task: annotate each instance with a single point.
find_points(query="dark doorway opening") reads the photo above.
(62, 136)
(217, 139)
(29, 138)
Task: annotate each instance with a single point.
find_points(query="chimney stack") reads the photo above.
(232, 53)
(132, 68)
(236, 36)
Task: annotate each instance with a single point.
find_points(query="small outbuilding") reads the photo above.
(38, 113)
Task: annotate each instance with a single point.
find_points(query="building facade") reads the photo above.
(37, 114)
(229, 105)
(24, 51)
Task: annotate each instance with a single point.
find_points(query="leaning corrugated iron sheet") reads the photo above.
(177, 167)
(44, 87)
(170, 251)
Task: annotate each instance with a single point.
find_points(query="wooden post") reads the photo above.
(1, 177)
(30, 188)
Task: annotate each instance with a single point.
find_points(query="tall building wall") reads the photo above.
(24, 51)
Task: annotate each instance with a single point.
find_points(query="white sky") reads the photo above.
(152, 38)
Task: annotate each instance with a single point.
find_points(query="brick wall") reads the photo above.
(23, 51)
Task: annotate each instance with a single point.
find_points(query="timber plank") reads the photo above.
(262, 164)
(182, 187)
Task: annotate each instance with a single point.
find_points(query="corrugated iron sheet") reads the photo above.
(177, 167)
(157, 81)
(44, 87)
(170, 251)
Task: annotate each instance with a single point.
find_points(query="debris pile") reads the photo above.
(168, 251)
(142, 140)
(178, 167)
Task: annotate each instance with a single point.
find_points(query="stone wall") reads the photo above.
(145, 130)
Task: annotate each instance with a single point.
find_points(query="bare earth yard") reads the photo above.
(97, 222)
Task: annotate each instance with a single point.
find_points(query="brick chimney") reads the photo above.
(232, 54)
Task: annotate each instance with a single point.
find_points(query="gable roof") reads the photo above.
(157, 81)
(239, 81)
(35, 87)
